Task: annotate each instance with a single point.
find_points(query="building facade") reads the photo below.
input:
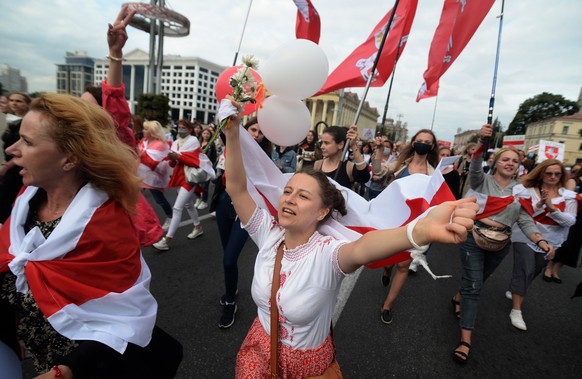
(76, 73)
(189, 83)
(462, 138)
(565, 129)
(11, 79)
(339, 108)
(395, 131)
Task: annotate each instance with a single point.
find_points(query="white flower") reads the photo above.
(250, 61)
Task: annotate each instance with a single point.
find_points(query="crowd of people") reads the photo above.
(74, 172)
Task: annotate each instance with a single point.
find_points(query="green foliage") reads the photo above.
(540, 107)
(154, 107)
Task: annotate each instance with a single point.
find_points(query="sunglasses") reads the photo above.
(556, 174)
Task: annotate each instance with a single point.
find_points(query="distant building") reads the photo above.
(76, 73)
(395, 131)
(462, 138)
(565, 129)
(189, 83)
(339, 108)
(11, 79)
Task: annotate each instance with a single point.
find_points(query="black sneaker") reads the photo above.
(386, 316)
(227, 318)
(223, 298)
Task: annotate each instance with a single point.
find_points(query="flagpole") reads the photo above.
(390, 87)
(242, 33)
(369, 82)
(436, 100)
(492, 99)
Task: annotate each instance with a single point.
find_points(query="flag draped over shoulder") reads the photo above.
(401, 202)
(355, 70)
(308, 23)
(459, 21)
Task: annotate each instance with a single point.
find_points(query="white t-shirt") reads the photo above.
(310, 282)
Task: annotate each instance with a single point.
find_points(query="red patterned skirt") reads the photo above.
(254, 357)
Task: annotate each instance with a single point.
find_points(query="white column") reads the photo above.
(313, 110)
(324, 112)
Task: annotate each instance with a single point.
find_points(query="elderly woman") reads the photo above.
(70, 264)
(311, 265)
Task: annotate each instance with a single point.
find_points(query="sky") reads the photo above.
(541, 48)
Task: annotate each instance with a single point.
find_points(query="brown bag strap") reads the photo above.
(275, 310)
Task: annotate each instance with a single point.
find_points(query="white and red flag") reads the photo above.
(69, 273)
(459, 21)
(308, 22)
(355, 70)
(401, 202)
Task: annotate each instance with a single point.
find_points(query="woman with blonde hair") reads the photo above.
(554, 208)
(153, 166)
(71, 268)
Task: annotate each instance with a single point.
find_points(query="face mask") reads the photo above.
(183, 133)
(421, 148)
(387, 151)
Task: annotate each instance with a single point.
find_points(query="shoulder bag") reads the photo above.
(333, 371)
(196, 175)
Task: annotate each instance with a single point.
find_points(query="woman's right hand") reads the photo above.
(486, 131)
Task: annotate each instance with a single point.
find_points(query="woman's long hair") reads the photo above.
(87, 132)
(432, 157)
(265, 144)
(536, 177)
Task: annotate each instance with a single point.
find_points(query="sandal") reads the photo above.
(455, 305)
(459, 356)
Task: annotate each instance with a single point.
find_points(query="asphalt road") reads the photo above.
(188, 283)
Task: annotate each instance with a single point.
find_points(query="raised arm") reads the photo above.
(435, 227)
(116, 38)
(236, 179)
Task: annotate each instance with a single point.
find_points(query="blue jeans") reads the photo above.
(233, 239)
(478, 265)
(161, 200)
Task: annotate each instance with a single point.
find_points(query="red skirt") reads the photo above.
(254, 357)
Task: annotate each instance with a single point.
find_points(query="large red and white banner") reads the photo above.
(355, 70)
(459, 21)
(401, 202)
(308, 24)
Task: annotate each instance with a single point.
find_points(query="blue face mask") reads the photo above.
(183, 133)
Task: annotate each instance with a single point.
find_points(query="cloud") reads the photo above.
(540, 48)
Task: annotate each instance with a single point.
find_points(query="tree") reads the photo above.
(154, 107)
(540, 107)
(497, 137)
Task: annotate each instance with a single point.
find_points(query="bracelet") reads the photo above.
(409, 229)
(540, 241)
(58, 372)
(360, 164)
(112, 58)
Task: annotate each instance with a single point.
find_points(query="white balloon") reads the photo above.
(296, 69)
(283, 121)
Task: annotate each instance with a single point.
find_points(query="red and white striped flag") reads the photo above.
(355, 70)
(401, 202)
(308, 23)
(70, 276)
(459, 21)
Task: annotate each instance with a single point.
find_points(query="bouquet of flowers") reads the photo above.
(245, 90)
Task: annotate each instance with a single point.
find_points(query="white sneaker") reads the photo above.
(508, 295)
(517, 319)
(413, 267)
(197, 202)
(195, 233)
(202, 205)
(166, 225)
(162, 245)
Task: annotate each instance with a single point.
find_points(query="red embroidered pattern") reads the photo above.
(253, 359)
